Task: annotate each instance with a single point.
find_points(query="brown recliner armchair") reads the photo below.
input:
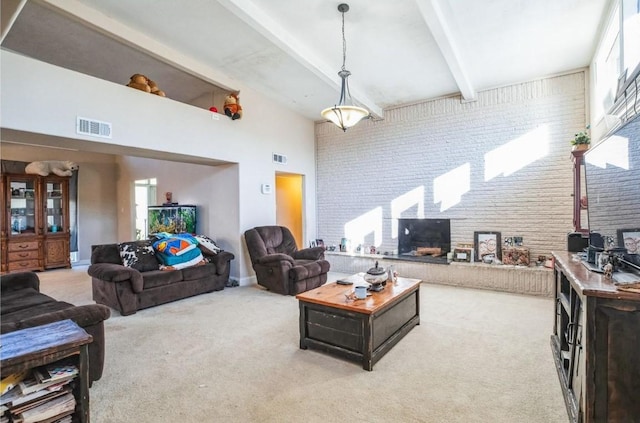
(280, 266)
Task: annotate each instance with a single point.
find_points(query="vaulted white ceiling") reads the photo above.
(399, 52)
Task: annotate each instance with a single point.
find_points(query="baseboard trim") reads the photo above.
(247, 281)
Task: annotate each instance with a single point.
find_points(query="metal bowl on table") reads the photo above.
(377, 277)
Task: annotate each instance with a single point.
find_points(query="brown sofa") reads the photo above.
(22, 305)
(280, 266)
(129, 290)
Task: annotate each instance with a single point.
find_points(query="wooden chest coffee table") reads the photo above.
(359, 330)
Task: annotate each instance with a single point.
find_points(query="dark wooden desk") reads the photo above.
(596, 344)
(359, 330)
(40, 345)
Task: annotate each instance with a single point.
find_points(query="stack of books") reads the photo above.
(43, 395)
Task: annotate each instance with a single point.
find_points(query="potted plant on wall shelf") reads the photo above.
(581, 140)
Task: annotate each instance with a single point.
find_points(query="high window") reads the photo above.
(618, 54)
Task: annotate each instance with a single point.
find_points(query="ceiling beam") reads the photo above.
(138, 40)
(258, 19)
(442, 32)
(9, 12)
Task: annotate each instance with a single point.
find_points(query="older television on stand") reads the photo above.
(612, 177)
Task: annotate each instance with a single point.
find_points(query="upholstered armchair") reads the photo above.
(280, 266)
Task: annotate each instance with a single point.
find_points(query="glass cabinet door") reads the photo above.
(55, 195)
(22, 206)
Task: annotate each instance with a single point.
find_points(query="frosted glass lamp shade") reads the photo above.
(344, 116)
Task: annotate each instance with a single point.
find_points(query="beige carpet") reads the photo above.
(233, 356)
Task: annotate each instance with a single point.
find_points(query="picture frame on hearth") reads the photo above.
(463, 253)
(512, 241)
(487, 243)
(629, 239)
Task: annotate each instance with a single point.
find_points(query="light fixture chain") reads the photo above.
(344, 45)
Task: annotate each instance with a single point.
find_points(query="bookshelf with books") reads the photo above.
(44, 374)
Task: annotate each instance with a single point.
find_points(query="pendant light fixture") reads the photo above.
(345, 114)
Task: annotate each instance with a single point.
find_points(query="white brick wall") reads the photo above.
(362, 171)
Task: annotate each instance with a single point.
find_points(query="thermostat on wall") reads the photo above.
(265, 188)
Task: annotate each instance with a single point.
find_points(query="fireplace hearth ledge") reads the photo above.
(531, 280)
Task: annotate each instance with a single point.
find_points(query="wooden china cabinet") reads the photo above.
(35, 233)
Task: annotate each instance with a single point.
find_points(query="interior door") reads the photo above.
(289, 211)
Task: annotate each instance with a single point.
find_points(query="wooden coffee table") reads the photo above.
(359, 330)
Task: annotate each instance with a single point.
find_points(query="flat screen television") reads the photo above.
(414, 233)
(612, 178)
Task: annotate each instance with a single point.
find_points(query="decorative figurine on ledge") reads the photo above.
(232, 106)
(57, 167)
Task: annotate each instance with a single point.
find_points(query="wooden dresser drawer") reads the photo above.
(23, 265)
(23, 255)
(23, 246)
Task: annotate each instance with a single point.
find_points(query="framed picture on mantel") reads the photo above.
(629, 239)
(487, 243)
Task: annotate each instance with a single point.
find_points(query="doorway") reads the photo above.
(289, 209)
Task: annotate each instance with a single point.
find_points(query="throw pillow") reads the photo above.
(207, 245)
(175, 245)
(138, 255)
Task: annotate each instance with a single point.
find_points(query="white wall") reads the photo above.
(43, 99)
(507, 154)
(214, 189)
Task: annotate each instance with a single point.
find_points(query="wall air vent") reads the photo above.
(93, 127)
(279, 158)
